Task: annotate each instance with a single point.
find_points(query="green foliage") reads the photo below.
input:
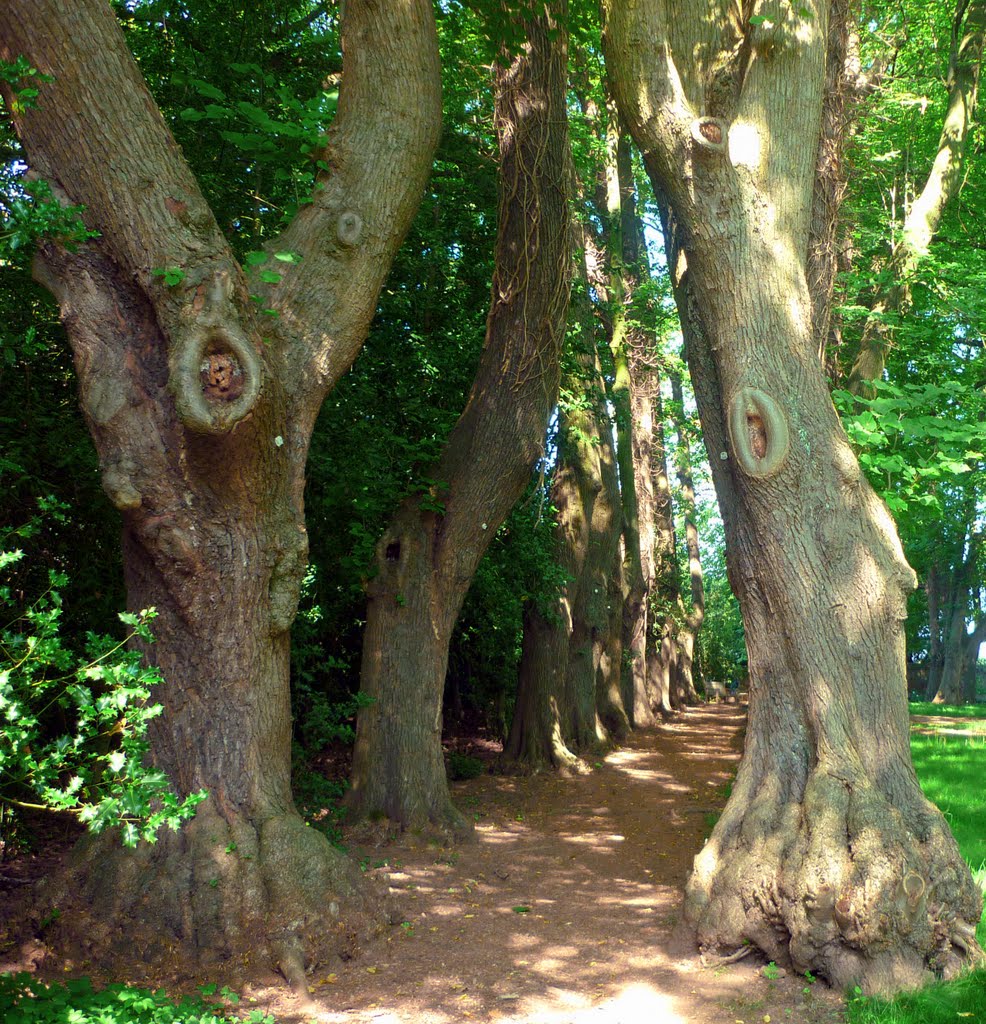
(24, 999)
(73, 725)
(36, 214)
(19, 72)
(462, 766)
(913, 436)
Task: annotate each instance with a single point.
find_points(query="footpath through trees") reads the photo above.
(563, 911)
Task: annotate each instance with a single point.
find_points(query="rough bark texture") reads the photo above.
(202, 432)
(941, 187)
(428, 555)
(827, 856)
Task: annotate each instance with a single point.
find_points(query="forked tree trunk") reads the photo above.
(827, 855)
(201, 418)
(429, 553)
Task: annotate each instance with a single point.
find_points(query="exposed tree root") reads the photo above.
(708, 960)
(220, 890)
(845, 883)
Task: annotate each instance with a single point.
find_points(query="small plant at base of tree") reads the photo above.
(73, 726)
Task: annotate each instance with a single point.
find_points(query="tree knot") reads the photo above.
(710, 134)
(759, 432)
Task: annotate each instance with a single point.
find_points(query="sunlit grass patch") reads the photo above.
(956, 1002)
(951, 769)
(948, 710)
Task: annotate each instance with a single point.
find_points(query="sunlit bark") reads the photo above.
(827, 855)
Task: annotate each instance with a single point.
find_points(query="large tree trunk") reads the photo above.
(827, 855)
(612, 266)
(665, 596)
(429, 553)
(602, 570)
(202, 430)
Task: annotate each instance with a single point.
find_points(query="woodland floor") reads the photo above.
(562, 911)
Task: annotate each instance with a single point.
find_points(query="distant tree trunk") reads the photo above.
(942, 186)
(695, 614)
(202, 417)
(601, 568)
(933, 587)
(665, 595)
(955, 648)
(955, 639)
(428, 555)
(616, 285)
(728, 117)
(542, 724)
(971, 677)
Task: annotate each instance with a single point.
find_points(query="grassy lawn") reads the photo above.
(952, 770)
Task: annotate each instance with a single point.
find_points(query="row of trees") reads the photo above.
(210, 314)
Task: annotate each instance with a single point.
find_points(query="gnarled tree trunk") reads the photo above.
(201, 418)
(827, 855)
(429, 553)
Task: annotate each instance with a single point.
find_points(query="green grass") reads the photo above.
(951, 770)
(957, 1002)
(949, 710)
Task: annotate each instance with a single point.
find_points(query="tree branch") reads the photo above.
(378, 154)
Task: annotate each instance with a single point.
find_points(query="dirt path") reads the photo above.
(561, 912)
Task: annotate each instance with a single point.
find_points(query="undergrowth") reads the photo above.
(25, 999)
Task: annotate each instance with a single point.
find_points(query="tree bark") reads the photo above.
(429, 553)
(541, 726)
(827, 856)
(602, 571)
(954, 642)
(933, 589)
(695, 615)
(201, 418)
